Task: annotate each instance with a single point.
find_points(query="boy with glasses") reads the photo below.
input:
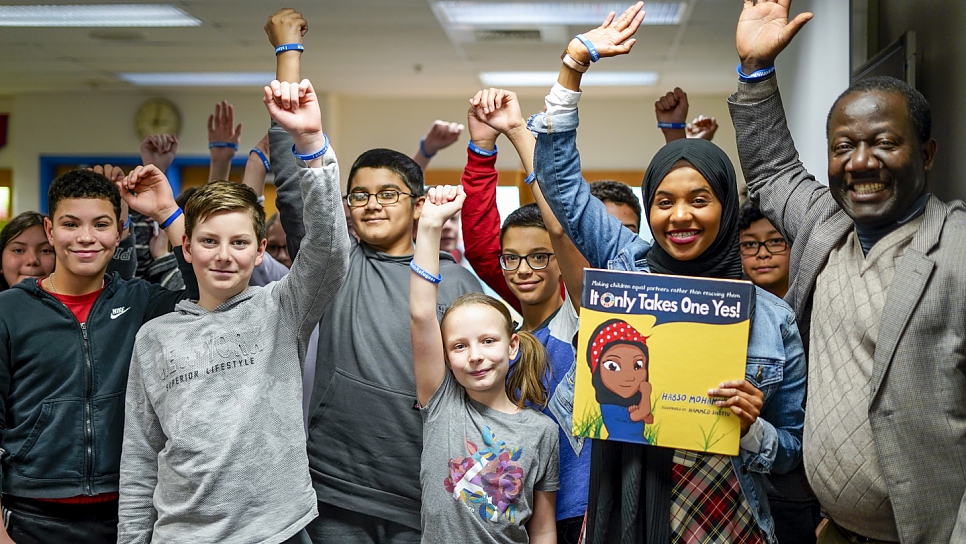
(764, 251)
(365, 429)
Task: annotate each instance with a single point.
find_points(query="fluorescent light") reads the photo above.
(547, 79)
(482, 14)
(199, 79)
(93, 15)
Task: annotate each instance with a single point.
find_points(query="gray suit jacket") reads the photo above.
(917, 397)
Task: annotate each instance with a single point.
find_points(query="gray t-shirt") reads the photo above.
(480, 467)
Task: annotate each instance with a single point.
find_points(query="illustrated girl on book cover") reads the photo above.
(618, 359)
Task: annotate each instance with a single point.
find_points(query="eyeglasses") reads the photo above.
(775, 246)
(536, 261)
(358, 199)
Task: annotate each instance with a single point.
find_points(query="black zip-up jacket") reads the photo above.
(62, 384)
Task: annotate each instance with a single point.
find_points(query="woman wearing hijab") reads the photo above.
(656, 495)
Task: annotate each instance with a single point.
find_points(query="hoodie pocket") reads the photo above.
(54, 449)
(367, 434)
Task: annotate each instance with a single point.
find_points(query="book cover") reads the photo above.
(649, 348)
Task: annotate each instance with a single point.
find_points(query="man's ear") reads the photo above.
(261, 251)
(49, 230)
(186, 248)
(929, 154)
(418, 207)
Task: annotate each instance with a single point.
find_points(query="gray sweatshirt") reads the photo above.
(214, 446)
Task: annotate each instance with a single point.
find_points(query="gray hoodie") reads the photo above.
(214, 446)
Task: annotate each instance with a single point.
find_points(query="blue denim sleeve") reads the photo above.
(783, 415)
(600, 237)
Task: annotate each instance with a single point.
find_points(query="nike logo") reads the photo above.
(117, 312)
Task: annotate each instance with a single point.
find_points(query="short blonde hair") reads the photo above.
(224, 196)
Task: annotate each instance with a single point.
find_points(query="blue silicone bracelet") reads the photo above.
(265, 163)
(480, 151)
(530, 178)
(594, 55)
(422, 149)
(289, 47)
(168, 221)
(424, 274)
(757, 75)
(673, 125)
(315, 155)
(233, 145)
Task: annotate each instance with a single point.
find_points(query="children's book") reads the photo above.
(650, 346)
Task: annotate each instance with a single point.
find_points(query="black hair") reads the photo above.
(83, 184)
(394, 161)
(15, 227)
(182, 199)
(916, 104)
(607, 190)
(748, 213)
(525, 216)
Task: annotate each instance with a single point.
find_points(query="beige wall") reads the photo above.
(615, 133)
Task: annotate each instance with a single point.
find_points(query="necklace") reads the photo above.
(50, 280)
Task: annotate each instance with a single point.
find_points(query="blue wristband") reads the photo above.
(757, 75)
(168, 221)
(315, 155)
(530, 178)
(289, 47)
(233, 145)
(480, 151)
(265, 163)
(127, 223)
(679, 126)
(424, 274)
(594, 55)
(422, 149)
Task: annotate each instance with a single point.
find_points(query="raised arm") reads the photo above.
(776, 178)
(159, 150)
(257, 167)
(323, 262)
(500, 109)
(480, 218)
(599, 236)
(441, 135)
(287, 26)
(223, 139)
(429, 364)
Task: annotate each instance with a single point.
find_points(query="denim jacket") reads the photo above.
(776, 356)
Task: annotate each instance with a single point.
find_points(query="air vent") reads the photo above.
(507, 35)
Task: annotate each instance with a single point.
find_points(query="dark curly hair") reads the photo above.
(83, 184)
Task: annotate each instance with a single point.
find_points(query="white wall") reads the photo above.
(615, 133)
(812, 72)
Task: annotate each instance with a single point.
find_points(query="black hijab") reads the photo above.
(721, 259)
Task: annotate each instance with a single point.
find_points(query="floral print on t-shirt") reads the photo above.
(489, 479)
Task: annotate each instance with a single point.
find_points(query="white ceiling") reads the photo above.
(358, 47)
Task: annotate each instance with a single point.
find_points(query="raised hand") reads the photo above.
(442, 202)
(295, 107)
(441, 135)
(744, 400)
(764, 31)
(159, 150)
(113, 173)
(672, 107)
(612, 38)
(147, 191)
(498, 109)
(221, 128)
(702, 127)
(286, 26)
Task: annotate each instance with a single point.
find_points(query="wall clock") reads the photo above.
(157, 116)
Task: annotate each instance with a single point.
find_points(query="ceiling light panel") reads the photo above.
(198, 79)
(547, 79)
(96, 15)
(483, 14)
